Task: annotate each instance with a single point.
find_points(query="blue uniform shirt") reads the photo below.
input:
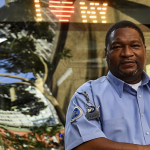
(124, 112)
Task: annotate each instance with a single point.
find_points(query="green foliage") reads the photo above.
(18, 56)
(40, 31)
(65, 54)
(5, 102)
(24, 99)
(33, 139)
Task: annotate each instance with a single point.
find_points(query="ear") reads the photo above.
(145, 55)
(145, 51)
(106, 53)
(145, 48)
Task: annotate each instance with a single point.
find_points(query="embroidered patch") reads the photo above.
(92, 113)
(77, 113)
(91, 109)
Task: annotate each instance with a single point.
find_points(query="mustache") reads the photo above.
(128, 60)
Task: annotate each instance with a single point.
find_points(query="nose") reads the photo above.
(127, 52)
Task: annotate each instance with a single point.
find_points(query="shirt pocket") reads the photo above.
(115, 129)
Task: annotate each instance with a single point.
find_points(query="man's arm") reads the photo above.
(106, 144)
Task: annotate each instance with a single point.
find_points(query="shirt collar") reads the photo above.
(146, 80)
(119, 84)
(116, 83)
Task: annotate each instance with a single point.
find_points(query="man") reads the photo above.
(121, 99)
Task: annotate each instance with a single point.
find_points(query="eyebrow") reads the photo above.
(134, 41)
(116, 43)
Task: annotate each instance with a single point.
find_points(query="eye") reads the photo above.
(135, 46)
(116, 47)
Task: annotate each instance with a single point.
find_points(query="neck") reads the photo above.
(133, 79)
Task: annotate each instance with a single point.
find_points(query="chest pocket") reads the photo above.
(115, 129)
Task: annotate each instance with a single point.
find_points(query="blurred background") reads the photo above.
(48, 49)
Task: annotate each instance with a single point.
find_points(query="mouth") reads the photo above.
(128, 63)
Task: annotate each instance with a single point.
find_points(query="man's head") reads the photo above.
(125, 51)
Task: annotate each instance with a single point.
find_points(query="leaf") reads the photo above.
(65, 54)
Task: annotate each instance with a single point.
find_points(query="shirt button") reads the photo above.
(139, 95)
(142, 114)
(147, 133)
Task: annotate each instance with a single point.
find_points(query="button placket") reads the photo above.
(141, 110)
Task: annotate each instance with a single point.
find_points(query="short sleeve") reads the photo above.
(81, 130)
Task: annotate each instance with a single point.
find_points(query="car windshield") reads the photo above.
(48, 49)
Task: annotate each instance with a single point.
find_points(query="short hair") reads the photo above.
(123, 24)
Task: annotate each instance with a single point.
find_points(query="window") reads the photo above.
(48, 48)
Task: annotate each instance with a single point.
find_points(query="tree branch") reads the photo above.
(13, 76)
(46, 70)
(54, 102)
(45, 67)
(51, 98)
(16, 83)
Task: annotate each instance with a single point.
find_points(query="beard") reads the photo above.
(128, 74)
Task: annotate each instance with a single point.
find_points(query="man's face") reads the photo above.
(126, 54)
